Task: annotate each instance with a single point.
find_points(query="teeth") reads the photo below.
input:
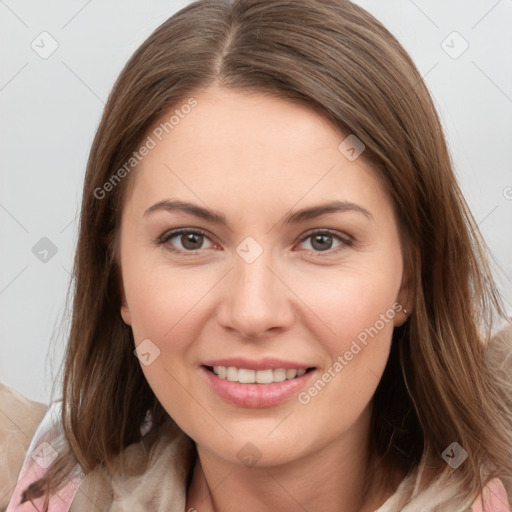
(245, 376)
(232, 374)
(264, 376)
(279, 375)
(291, 374)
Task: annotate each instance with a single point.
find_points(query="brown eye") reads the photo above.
(323, 241)
(185, 240)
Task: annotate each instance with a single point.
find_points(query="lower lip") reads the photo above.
(256, 395)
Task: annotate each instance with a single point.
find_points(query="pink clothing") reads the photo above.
(495, 498)
(40, 455)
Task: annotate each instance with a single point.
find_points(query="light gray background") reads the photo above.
(51, 107)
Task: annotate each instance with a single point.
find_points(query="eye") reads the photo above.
(322, 241)
(189, 239)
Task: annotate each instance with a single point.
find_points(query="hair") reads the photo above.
(339, 60)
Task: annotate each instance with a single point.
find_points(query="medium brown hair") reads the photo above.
(335, 57)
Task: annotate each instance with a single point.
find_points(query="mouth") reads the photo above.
(265, 376)
(256, 388)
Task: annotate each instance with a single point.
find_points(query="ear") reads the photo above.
(405, 298)
(125, 310)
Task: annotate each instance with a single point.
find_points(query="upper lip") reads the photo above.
(260, 364)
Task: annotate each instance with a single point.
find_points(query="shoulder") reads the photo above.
(19, 419)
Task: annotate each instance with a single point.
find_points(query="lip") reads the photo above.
(268, 363)
(256, 395)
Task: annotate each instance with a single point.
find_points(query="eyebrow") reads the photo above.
(291, 218)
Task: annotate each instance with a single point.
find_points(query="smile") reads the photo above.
(246, 376)
(256, 388)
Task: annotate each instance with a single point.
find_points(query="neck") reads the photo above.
(329, 479)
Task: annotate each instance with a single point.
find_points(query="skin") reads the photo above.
(237, 154)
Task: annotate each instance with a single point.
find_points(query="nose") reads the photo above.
(256, 301)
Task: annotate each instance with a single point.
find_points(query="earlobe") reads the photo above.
(404, 300)
(402, 316)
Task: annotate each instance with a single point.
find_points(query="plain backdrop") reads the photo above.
(59, 60)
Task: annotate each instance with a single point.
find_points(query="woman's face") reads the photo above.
(259, 280)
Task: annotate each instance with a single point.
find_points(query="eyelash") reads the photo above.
(346, 241)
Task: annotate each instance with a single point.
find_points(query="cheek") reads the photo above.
(356, 311)
(166, 308)
(360, 309)
(169, 306)
(349, 301)
(162, 300)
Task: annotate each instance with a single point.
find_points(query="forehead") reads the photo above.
(245, 151)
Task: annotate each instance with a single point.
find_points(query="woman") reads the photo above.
(281, 300)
